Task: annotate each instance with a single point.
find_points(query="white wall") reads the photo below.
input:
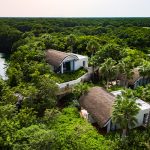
(85, 77)
(140, 116)
(79, 63)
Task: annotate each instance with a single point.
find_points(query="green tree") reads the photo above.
(34, 137)
(41, 95)
(75, 133)
(92, 47)
(8, 36)
(80, 89)
(145, 69)
(143, 92)
(11, 121)
(111, 50)
(125, 71)
(71, 40)
(107, 70)
(124, 112)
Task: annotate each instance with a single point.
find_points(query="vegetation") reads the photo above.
(124, 112)
(143, 92)
(80, 89)
(69, 76)
(107, 70)
(114, 45)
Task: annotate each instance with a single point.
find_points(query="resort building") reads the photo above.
(135, 80)
(62, 62)
(97, 104)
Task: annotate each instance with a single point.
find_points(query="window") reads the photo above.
(83, 63)
(145, 118)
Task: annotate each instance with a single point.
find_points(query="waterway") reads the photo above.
(3, 66)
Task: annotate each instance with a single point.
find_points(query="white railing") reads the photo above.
(70, 84)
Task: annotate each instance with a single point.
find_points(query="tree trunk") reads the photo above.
(93, 73)
(107, 82)
(124, 133)
(125, 82)
(117, 74)
(71, 49)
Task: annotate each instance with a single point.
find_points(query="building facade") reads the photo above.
(62, 62)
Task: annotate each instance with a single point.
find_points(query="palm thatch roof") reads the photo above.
(98, 102)
(55, 58)
(136, 75)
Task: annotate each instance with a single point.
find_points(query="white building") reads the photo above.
(65, 62)
(143, 115)
(97, 106)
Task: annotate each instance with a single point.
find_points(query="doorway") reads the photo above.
(67, 66)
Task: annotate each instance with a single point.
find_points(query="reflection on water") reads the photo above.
(2, 66)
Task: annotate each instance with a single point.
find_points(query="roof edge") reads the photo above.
(68, 56)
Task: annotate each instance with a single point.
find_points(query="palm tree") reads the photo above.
(80, 89)
(71, 40)
(107, 70)
(92, 46)
(145, 69)
(125, 70)
(124, 112)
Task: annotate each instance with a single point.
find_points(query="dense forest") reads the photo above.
(32, 117)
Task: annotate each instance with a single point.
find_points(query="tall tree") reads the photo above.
(124, 112)
(92, 47)
(107, 70)
(71, 40)
(145, 69)
(125, 70)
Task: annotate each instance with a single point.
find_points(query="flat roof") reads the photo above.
(142, 104)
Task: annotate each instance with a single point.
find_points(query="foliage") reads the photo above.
(124, 112)
(111, 50)
(40, 96)
(107, 70)
(71, 40)
(123, 42)
(75, 133)
(69, 76)
(80, 89)
(145, 69)
(92, 47)
(143, 92)
(11, 121)
(34, 138)
(136, 139)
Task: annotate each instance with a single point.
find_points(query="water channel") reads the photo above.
(3, 66)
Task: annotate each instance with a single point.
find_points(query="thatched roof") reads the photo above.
(98, 102)
(135, 76)
(55, 58)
